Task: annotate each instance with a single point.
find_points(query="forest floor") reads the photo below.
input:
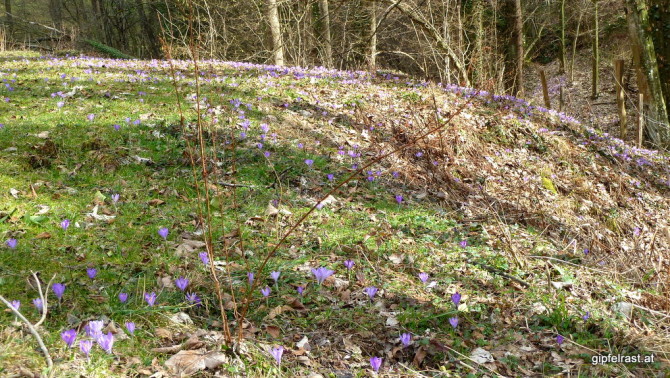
(554, 236)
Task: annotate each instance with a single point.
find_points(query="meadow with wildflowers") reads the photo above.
(128, 186)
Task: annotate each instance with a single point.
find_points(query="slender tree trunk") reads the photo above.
(574, 47)
(595, 74)
(56, 13)
(659, 20)
(327, 41)
(563, 57)
(147, 28)
(657, 128)
(373, 36)
(275, 30)
(518, 41)
(479, 77)
(9, 20)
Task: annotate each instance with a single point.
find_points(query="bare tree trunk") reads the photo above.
(595, 74)
(56, 13)
(659, 20)
(563, 57)
(479, 76)
(327, 41)
(275, 29)
(657, 128)
(574, 47)
(373, 36)
(518, 41)
(147, 27)
(8, 16)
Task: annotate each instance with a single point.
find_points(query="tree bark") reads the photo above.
(275, 30)
(518, 42)
(56, 13)
(147, 27)
(9, 20)
(563, 61)
(657, 129)
(327, 41)
(659, 20)
(373, 36)
(595, 59)
(479, 76)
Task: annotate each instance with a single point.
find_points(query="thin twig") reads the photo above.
(32, 329)
(43, 297)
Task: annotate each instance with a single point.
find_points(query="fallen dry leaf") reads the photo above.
(156, 202)
(163, 333)
(277, 311)
(274, 331)
(419, 356)
(188, 362)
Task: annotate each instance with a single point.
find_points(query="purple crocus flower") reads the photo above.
(65, 224)
(91, 272)
(130, 326)
(94, 328)
(371, 291)
(376, 363)
(58, 289)
(331, 177)
(85, 347)
(349, 264)
(300, 290)
(115, 198)
(456, 298)
(405, 339)
(68, 337)
(266, 154)
(266, 291)
(586, 316)
(204, 258)
(193, 298)
(106, 342)
(463, 243)
(321, 274)
(150, 298)
(309, 162)
(16, 304)
(90, 117)
(38, 304)
(398, 199)
(117, 127)
(560, 339)
(181, 283)
(11, 243)
(123, 297)
(454, 322)
(163, 232)
(277, 353)
(275, 276)
(250, 277)
(423, 277)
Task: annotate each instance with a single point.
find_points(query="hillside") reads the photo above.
(553, 235)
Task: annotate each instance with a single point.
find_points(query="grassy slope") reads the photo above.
(499, 180)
